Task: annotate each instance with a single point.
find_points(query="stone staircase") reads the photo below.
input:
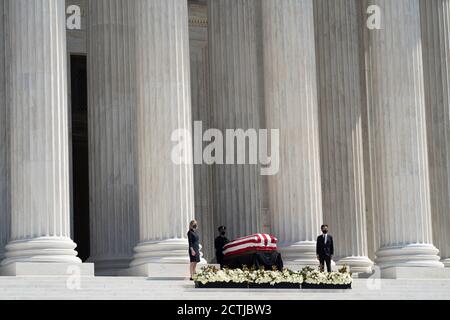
(132, 288)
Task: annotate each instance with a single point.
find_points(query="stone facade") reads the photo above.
(363, 119)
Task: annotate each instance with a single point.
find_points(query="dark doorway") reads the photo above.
(80, 155)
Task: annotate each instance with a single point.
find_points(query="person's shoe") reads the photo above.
(191, 279)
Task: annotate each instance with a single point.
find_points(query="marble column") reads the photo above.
(341, 101)
(398, 138)
(112, 112)
(37, 89)
(166, 190)
(237, 103)
(201, 111)
(4, 142)
(435, 15)
(292, 107)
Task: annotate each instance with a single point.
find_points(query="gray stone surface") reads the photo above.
(201, 111)
(341, 86)
(398, 145)
(291, 106)
(77, 39)
(37, 88)
(417, 273)
(112, 89)
(30, 269)
(237, 103)
(166, 271)
(435, 17)
(139, 288)
(166, 189)
(4, 142)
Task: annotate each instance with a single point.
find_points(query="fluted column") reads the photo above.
(4, 142)
(435, 15)
(166, 199)
(291, 107)
(397, 129)
(112, 123)
(341, 99)
(201, 111)
(37, 89)
(237, 103)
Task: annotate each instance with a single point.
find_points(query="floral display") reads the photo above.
(314, 276)
(211, 274)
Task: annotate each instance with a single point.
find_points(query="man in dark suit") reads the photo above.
(325, 248)
(219, 243)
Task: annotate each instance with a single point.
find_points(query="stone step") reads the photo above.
(141, 288)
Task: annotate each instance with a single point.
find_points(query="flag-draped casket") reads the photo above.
(256, 250)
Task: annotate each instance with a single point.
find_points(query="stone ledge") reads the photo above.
(47, 269)
(417, 273)
(161, 271)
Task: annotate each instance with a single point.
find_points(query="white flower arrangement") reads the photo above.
(211, 274)
(274, 277)
(313, 276)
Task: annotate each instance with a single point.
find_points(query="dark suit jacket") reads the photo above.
(219, 243)
(324, 249)
(194, 240)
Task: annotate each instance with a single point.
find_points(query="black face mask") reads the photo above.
(194, 226)
(223, 233)
(325, 231)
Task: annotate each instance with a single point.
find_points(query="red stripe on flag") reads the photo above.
(259, 238)
(235, 243)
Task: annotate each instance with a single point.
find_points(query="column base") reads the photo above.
(18, 269)
(446, 262)
(300, 254)
(411, 255)
(416, 273)
(162, 259)
(105, 266)
(356, 264)
(41, 250)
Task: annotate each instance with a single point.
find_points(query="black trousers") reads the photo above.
(327, 260)
(219, 258)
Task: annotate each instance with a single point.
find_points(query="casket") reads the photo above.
(250, 244)
(257, 250)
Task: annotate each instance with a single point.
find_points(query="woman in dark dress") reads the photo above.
(194, 246)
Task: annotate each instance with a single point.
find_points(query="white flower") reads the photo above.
(307, 275)
(342, 277)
